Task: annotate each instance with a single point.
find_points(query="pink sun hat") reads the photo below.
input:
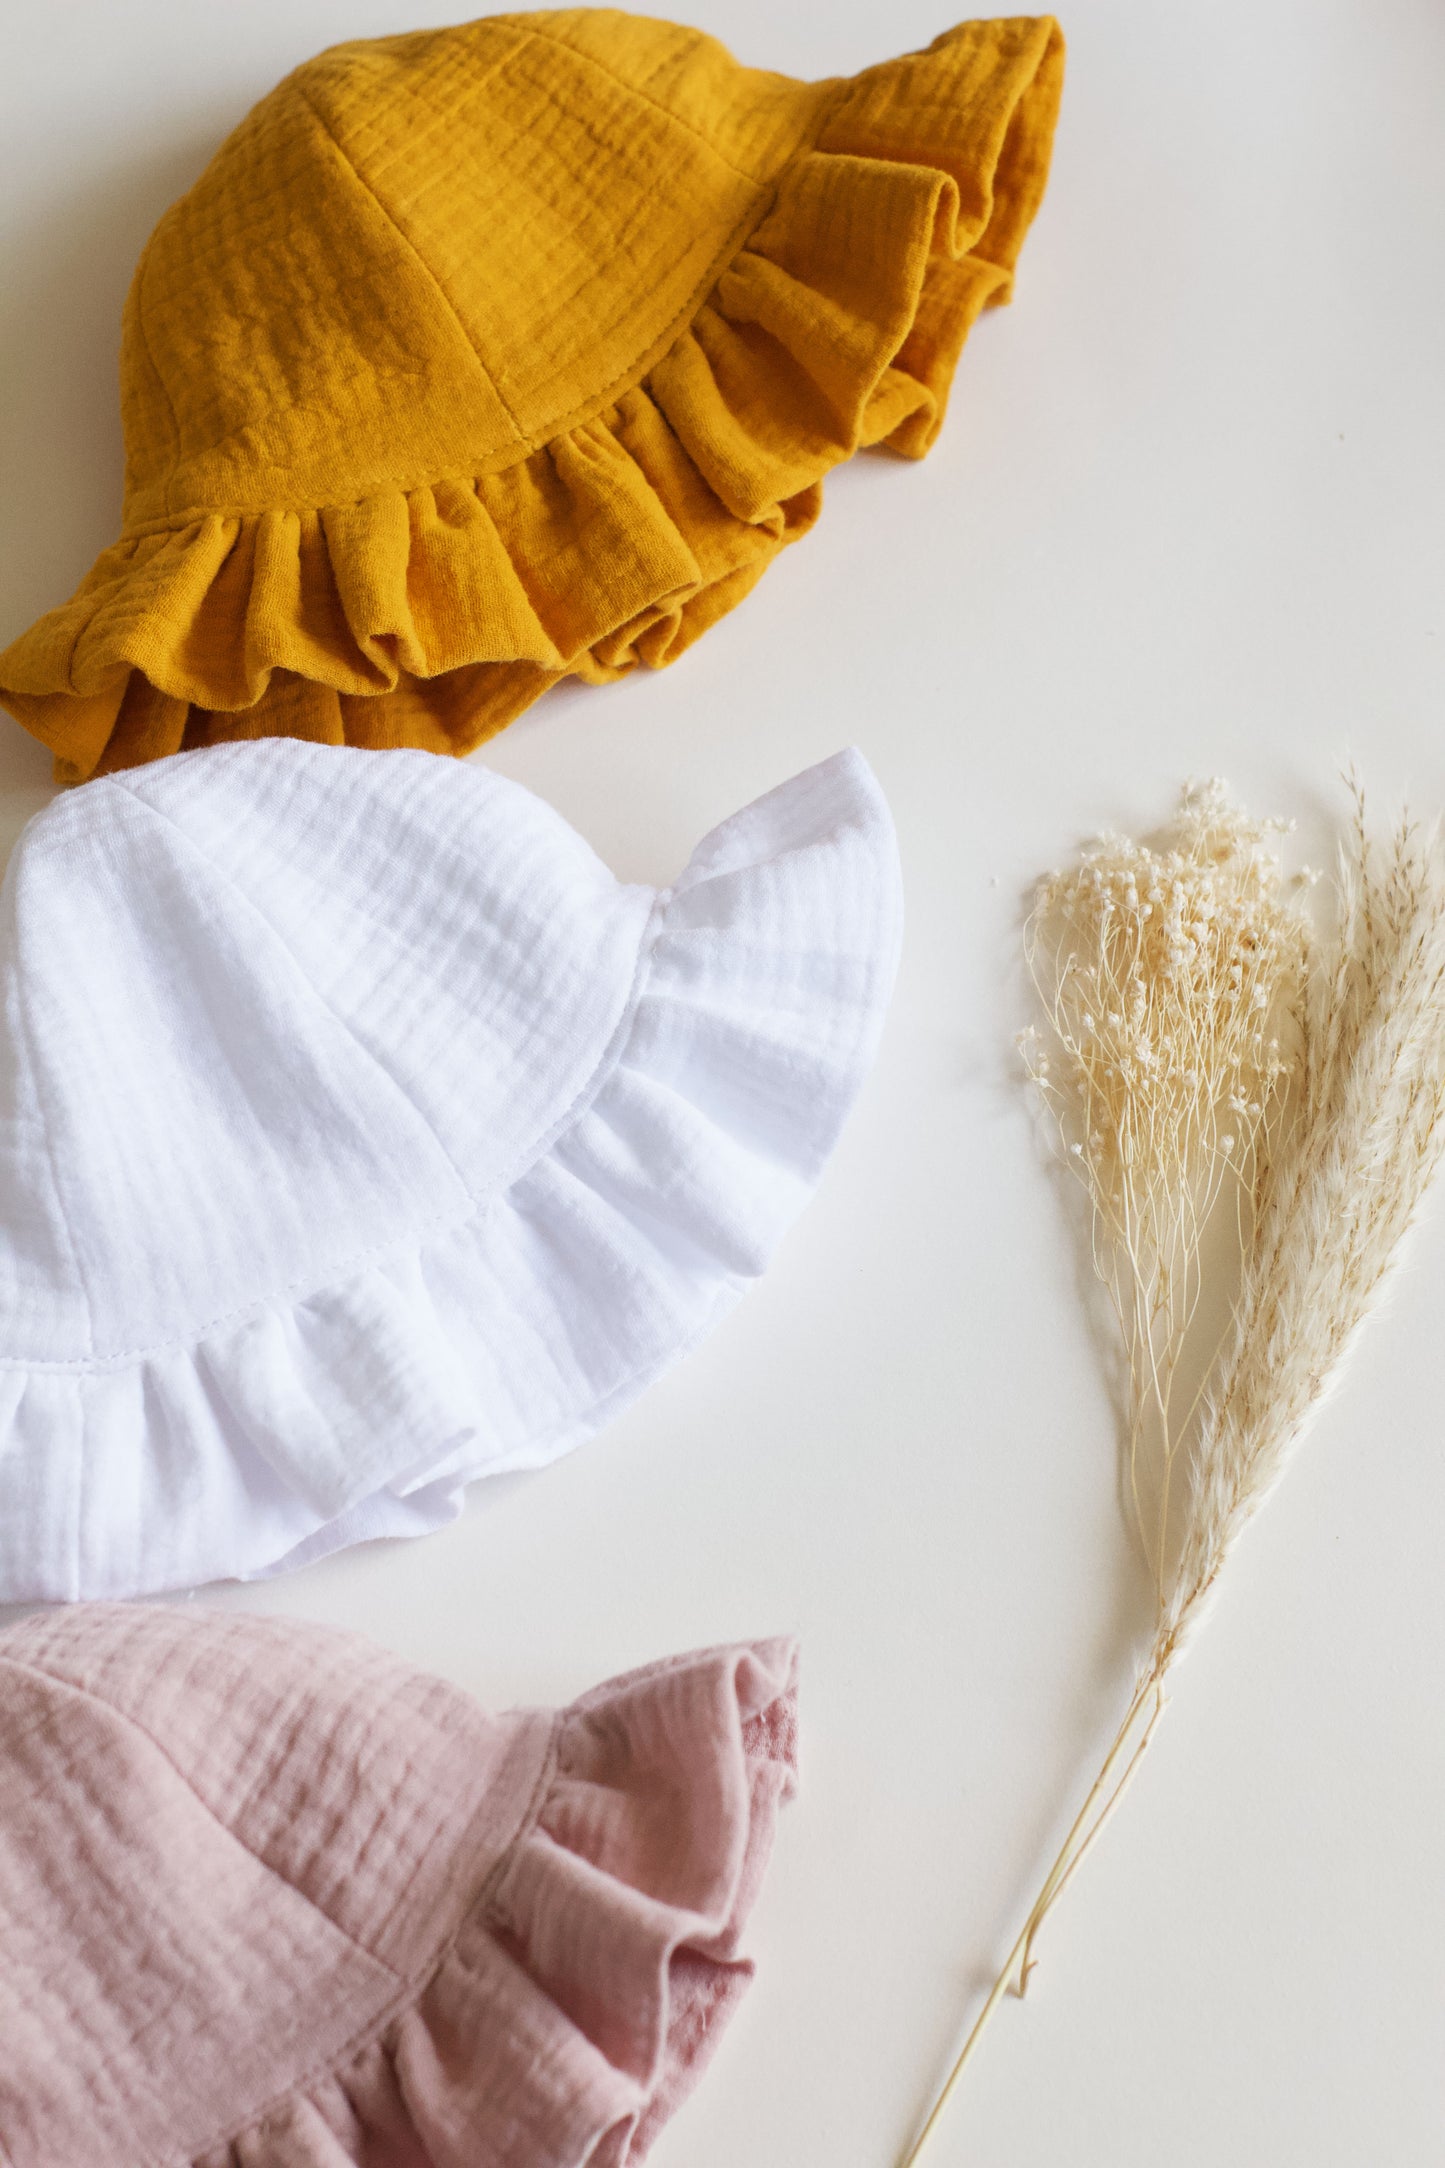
(272, 1899)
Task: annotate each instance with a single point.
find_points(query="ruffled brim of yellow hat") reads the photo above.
(432, 616)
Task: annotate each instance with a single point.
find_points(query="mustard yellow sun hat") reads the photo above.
(486, 356)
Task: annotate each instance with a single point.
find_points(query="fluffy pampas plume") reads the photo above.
(1252, 1094)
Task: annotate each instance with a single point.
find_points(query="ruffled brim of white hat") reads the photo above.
(500, 1342)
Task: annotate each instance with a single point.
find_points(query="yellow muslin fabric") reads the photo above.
(484, 356)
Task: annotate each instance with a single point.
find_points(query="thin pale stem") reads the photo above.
(1090, 1838)
(1104, 1796)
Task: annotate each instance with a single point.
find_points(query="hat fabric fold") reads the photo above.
(418, 422)
(274, 1900)
(360, 1134)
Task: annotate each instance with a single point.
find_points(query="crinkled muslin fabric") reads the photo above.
(271, 1899)
(490, 355)
(360, 1134)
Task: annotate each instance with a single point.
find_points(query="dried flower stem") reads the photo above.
(1211, 1069)
(1108, 1790)
(1366, 1138)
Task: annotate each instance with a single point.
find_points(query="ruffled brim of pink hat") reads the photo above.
(586, 1989)
(584, 1979)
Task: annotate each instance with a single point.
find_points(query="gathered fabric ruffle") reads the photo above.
(588, 1984)
(432, 614)
(327, 1912)
(363, 1408)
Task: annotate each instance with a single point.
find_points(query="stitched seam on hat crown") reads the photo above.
(368, 2035)
(636, 90)
(149, 350)
(132, 1723)
(526, 447)
(361, 181)
(409, 1986)
(628, 379)
(305, 1286)
(249, 904)
(536, 1148)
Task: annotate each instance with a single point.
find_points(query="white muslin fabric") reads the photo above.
(361, 1134)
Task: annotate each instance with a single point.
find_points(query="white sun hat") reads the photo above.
(361, 1134)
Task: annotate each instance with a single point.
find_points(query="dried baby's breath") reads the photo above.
(1255, 1111)
(1170, 980)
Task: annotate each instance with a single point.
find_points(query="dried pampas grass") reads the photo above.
(1255, 1106)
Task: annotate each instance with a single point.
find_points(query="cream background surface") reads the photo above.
(1186, 517)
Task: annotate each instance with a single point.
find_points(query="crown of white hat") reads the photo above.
(361, 1134)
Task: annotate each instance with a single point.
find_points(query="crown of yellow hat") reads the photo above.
(488, 355)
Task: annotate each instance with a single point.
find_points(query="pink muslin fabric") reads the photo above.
(269, 1898)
